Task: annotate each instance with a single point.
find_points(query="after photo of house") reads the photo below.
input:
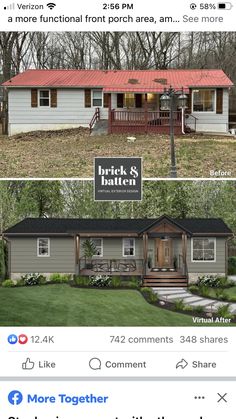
(169, 260)
(168, 97)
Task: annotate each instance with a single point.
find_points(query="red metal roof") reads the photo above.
(121, 80)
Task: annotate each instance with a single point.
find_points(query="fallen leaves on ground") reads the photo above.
(70, 153)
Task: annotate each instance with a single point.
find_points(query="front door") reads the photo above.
(164, 253)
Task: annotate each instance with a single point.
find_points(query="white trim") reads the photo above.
(49, 102)
(204, 112)
(97, 106)
(123, 247)
(98, 238)
(43, 256)
(203, 261)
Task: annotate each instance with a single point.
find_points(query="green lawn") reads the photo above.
(62, 305)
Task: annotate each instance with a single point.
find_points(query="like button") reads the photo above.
(28, 364)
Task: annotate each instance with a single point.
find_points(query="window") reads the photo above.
(204, 100)
(99, 247)
(97, 97)
(43, 247)
(44, 98)
(203, 250)
(129, 100)
(128, 247)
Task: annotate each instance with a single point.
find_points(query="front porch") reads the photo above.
(112, 267)
(144, 121)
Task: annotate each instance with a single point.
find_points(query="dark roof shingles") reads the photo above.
(70, 225)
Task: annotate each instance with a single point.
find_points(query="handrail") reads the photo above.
(112, 266)
(95, 118)
(194, 117)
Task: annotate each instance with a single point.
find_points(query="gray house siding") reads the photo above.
(113, 248)
(24, 257)
(211, 121)
(69, 113)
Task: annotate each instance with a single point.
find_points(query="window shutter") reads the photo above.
(87, 98)
(34, 98)
(106, 100)
(189, 102)
(120, 100)
(219, 100)
(53, 98)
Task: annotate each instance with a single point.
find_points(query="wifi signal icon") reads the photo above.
(51, 5)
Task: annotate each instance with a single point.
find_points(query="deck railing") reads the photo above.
(143, 120)
(124, 266)
(95, 118)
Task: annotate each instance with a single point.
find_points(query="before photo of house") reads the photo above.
(169, 98)
(118, 101)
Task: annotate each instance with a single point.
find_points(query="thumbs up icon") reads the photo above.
(28, 364)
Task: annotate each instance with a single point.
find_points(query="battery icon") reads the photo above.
(225, 6)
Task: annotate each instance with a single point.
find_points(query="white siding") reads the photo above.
(69, 113)
(211, 121)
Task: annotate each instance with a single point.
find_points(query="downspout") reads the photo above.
(227, 254)
(183, 111)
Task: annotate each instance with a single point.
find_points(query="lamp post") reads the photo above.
(167, 104)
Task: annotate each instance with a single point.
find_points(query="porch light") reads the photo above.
(182, 101)
(164, 239)
(165, 102)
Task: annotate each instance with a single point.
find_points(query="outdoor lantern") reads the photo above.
(165, 102)
(182, 101)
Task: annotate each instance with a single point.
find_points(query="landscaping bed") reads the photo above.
(216, 288)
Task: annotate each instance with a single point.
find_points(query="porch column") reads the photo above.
(146, 113)
(109, 114)
(145, 251)
(184, 251)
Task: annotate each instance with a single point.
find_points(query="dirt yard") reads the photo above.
(70, 153)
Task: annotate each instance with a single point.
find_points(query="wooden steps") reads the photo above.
(171, 281)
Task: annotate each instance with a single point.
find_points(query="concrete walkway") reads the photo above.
(189, 299)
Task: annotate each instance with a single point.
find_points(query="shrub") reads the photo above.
(221, 295)
(149, 295)
(232, 265)
(199, 309)
(223, 311)
(188, 308)
(8, 283)
(179, 305)
(33, 279)
(136, 282)
(193, 288)
(115, 282)
(82, 281)
(20, 283)
(204, 290)
(59, 278)
(213, 281)
(100, 281)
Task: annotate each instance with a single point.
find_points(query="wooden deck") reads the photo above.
(143, 121)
